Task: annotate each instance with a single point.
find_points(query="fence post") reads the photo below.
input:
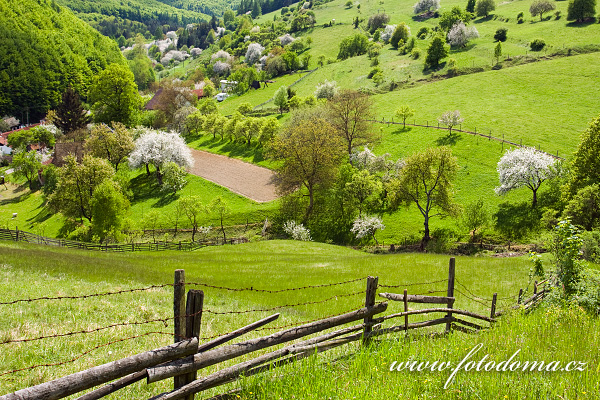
(193, 312)
(535, 287)
(493, 311)
(370, 302)
(451, 273)
(179, 315)
(17, 228)
(406, 310)
(520, 296)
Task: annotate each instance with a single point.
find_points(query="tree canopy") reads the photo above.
(115, 96)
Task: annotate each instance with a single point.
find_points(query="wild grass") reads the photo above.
(31, 271)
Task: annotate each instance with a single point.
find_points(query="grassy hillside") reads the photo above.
(44, 49)
(31, 271)
(33, 216)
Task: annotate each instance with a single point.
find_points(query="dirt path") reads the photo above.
(249, 180)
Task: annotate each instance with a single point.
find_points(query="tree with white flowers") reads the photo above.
(460, 34)
(297, 231)
(158, 148)
(451, 119)
(524, 167)
(367, 226)
(253, 53)
(426, 5)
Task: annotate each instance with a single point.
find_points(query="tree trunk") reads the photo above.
(223, 229)
(159, 176)
(310, 205)
(194, 228)
(147, 169)
(534, 202)
(426, 237)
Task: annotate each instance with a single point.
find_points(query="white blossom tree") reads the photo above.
(326, 90)
(222, 54)
(253, 53)
(451, 119)
(221, 68)
(524, 167)
(195, 51)
(387, 33)
(367, 226)
(286, 39)
(426, 5)
(297, 231)
(158, 148)
(367, 160)
(459, 35)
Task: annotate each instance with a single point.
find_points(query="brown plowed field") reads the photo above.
(249, 180)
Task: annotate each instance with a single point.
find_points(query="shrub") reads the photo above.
(423, 32)
(387, 33)
(326, 90)
(537, 44)
(500, 35)
(484, 7)
(426, 5)
(400, 35)
(351, 46)
(377, 21)
(367, 226)
(373, 72)
(415, 54)
(297, 231)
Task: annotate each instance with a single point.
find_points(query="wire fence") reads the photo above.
(427, 288)
(459, 129)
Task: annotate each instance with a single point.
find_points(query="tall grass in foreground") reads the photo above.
(548, 334)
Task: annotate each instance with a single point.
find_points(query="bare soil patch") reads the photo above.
(248, 180)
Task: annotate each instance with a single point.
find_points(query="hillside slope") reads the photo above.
(43, 49)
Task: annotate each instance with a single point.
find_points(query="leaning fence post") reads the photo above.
(406, 310)
(520, 296)
(370, 302)
(535, 287)
(179, 314)
(451, 272)
(493, 310)
(193, 315)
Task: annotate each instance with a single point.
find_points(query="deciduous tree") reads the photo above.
(579, 10)
(27, 164)
(109, 207)
(114, 96)
(405, 112)
(451, 119)
(483, 8)
(585, 166)
(350, 112)
(111, 143)
(524, 167)
(426, 180)
(435, 52)
(192, 208)
(540, 7)
(310, 154)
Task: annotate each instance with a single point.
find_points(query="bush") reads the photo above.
(373, 72)
(520, 20)
(377, 21)
(423, 32)
(415, 54)
(297, 231)
(537, 44)
(326, 90)
(351, 46)
(500, 35)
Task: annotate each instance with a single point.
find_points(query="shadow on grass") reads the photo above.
(42, 215)
(483, 19)
(448, 140)
(516, 221)
(587, 22)
(146, 187)
(402, 130)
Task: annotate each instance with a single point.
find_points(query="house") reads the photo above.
(153, 103)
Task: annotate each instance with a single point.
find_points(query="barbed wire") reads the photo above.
(85, 296)
(483, 298)
(84, 353)
(412, 284)
(252, 289)
(285, 305)
(474, 299)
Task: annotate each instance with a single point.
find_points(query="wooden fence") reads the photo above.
(183, 359)
(22, 236)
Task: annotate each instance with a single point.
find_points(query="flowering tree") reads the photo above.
(221, 68)
(451, 119)
(158, 148)
(524, 167)
(367, 226)
(460, 34)
(286, 39)
(221, 54)
(253, 53)
(297, 231)
(326, 90)
(387, 33)
(367, 160)
(426, 5)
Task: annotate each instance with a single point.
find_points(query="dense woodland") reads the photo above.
(44, 49)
